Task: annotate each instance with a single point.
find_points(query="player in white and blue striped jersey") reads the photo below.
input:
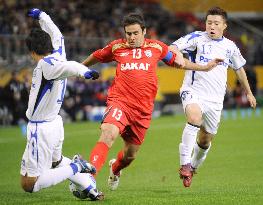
(45, 131)
(202, 93)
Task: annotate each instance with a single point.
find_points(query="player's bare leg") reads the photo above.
(98, 156)
(124, 159)
(201, 148)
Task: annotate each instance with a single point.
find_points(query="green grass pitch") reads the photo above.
(232, 173)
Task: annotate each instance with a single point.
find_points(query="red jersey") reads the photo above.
(135, 83)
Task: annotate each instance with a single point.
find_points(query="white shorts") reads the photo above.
(211, 111)
(44, 146)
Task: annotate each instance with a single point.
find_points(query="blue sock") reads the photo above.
(88, 188)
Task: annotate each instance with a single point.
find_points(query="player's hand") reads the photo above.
(92, 74)
(179, 59)
(212, 64)
(34, 13)
(252, 100)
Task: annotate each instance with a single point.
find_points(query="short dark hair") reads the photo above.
(217, 11)
(133, 18)
(39, 41)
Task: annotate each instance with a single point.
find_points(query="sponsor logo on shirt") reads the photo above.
(124, 54)
(135, 66)
(206, 60)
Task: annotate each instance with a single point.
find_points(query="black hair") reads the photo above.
(133, 18)
(217, 11)
(39, 41)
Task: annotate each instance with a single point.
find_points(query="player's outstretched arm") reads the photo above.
(194, 66)
(242, 77)
(90, 60)
(69, 69)
(48, 26)
(175, 58)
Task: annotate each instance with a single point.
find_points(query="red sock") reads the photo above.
(99, 155)
(120, 163)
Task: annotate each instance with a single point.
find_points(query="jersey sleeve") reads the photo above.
(35, 86)
(57, 38)
(187, 42)
(105, 54)
(164, 50)
(62, 70)
(167, 56)
(236, 61)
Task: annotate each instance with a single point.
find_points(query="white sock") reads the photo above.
(52, 177)
(199, 155)
(79, 178)
(188, 141)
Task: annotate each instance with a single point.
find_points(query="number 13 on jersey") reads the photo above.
(137, 53)
(117, 113)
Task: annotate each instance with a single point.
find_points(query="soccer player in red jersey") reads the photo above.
(131, 96)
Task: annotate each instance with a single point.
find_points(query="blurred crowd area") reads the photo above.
(87, 26)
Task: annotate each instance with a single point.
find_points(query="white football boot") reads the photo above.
(113, 180)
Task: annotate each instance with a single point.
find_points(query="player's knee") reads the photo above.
(57, 163)
(194, 119)
(108, 135)
(27, 185)
(107, 138)
(194, 114)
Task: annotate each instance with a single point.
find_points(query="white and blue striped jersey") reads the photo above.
(49, 77)
(201, 48)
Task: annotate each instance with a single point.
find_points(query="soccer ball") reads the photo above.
(79, 191)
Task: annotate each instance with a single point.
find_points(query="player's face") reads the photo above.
(215, 26)
(134, 35)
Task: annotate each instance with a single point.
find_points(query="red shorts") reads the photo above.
(131, 125)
